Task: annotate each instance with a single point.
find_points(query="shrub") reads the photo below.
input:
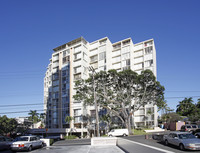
(51, 141)
(70, 137)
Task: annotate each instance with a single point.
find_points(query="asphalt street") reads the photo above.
(149, 143)
(131, 144)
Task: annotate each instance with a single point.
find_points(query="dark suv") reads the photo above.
(189, 128)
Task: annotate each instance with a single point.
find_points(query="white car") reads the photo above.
(26, 143)
(118, 132)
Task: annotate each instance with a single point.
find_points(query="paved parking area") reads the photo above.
(132, 144)
(157, 144)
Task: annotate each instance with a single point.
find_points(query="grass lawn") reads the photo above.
(140, 132)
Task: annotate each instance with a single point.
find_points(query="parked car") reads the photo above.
(5, 143)
(26, 143)
(189, 128)
(118, 132)
(184, 140)
(197, 133)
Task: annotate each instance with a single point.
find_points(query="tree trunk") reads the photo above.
(129, 126)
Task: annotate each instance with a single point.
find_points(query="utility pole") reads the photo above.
(95, 102)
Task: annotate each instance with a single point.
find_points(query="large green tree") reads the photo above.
(122, 93)
(7, 125)
(187, 108)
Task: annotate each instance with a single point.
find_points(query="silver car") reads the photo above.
(183, 140)
(26, 143)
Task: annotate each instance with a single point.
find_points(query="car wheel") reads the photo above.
(181, 146)
(166, 143)
(110, 135)
(124, 135)
(29, 148)
(42, 145)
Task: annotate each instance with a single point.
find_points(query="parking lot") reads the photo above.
(132, 144)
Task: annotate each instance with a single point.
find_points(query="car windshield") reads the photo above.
(21, 139)
(186, 136)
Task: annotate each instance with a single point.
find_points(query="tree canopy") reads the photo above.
(188, 108)
(122, 93)
(34, 116)
(7, 125)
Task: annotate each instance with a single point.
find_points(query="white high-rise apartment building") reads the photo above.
(70, 62)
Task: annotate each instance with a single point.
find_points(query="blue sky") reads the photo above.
(29, 30)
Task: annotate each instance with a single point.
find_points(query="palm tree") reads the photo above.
(33, 115)
(68, 120)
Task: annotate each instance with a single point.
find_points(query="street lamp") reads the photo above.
(95, 102)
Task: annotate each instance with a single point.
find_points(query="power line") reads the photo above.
(24, 95)
(182, 91)
(182, 97)
(26, 104)
(21, 105)
(19, 112)
(24, 71)
(35, 110)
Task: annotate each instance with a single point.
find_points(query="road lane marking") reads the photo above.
(159, 149)
(89, 149)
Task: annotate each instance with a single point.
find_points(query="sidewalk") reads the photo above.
(105, 149)
(81, 149)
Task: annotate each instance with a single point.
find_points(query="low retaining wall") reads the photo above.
(46, 141)
(99, 141)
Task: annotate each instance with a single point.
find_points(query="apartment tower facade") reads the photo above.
(70, 62)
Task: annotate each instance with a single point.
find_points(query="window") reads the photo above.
(56, 57)
(93, 58)
(77, 69)
(84, 56)
(77, 77)
(65, 52)
(102, 41)
(125, 49)
(56, 83)
(33, 138)
(102, 68)
(116, 59)
(125, 56)
(85, 70)
(56, 95)
(126, 42)
(117, 46)
(148, 43)
(92, 113)
(126, 63)
(55, 76)
(65, 60)
(77, 56)
(149, 50)
(149, 63)
(77, 119)
(77, 49)
(77, 112)
(102, 56)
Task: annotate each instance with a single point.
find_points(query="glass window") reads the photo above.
(102, 56)
(93, 58)
(148, 50)
(77, 112)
